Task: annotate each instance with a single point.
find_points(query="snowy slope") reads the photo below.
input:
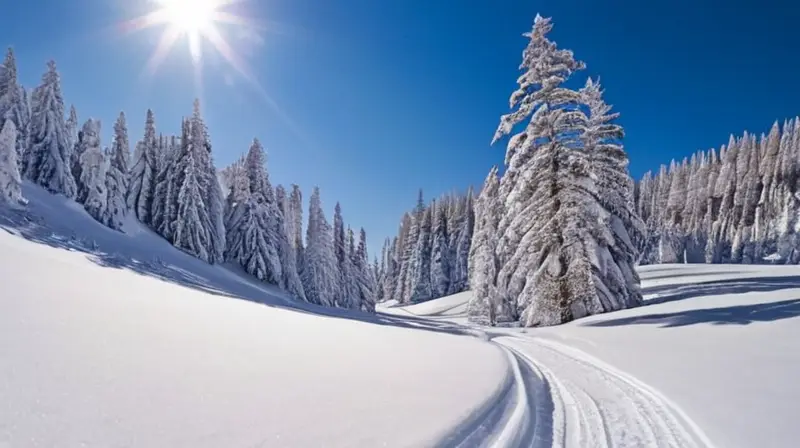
(713, 359)
(99, 350)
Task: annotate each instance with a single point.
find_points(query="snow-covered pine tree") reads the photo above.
(238, 193)
(409, 264)
(249, 245)
(13, 104)
(93, 196)
(143, 176)
(295, 225)
(352, 299)
(73, 140)
(165, 205)
(553, 231)
(463, 239)
(117, 176)
(718, 248)
(440, 263)
(209, 186)
(191, 224)
(402, 251)
(391, 270)
(319, 268)
(366, 275)
(291, 278)
(602, 139)
(47, 162)
(10, 180)
(255, 166)
(345, 281)
(421, 256)
(483, 261)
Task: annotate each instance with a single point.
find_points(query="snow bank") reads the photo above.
(92, 355)
(720, 341)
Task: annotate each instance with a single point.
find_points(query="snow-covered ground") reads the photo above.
(111, 339)
(713, 359)
(99, 350)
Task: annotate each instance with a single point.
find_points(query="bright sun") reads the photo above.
(200, 23)
(190, 16)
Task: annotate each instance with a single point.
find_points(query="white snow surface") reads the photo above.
(712, 359)
(110, 340)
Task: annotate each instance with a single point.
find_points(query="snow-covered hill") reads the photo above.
(137, 344)
(111, 339)
(713, 358)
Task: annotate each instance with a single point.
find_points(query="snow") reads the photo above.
(119, 339)
(139, 344)
(711, 359)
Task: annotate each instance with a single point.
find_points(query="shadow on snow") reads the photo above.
(163, 265)
(732, 315)
(672, 293)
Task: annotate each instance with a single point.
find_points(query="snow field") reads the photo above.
(710, 360)
(105, 357)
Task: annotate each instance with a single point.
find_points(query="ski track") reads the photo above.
(558, 396)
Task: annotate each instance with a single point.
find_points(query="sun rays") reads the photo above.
(195, 21)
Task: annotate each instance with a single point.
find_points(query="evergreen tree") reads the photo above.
(191, 229)
(366, 276)
(93, 172)
(344, 295)
(292, 282)
(295, 225)
(209, 186)
(554, 254)
(319, 268)
(117, 176)
(13, 103)
(164, 205)
(440, 263)
(460, 272)
(143, 174)
(421, 280)
(483, 260)
(10, 180)
(350, 280)
(47, 162)
(72, 133)
(250, 246)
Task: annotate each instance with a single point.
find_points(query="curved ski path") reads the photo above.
(558, 396)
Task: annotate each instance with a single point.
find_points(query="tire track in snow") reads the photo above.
(602, 406)
(518, 416)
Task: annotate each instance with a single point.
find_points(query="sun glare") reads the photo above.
(190, 16)
(193, 20)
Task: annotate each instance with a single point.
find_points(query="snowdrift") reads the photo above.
(722, 342)
(111, 339)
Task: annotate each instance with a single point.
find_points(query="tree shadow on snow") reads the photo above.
(672, 293)
(733, 315)
(644, 275)
(232, 284)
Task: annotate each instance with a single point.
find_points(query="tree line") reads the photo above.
(172, 186)
(738, 204)
(429, 256)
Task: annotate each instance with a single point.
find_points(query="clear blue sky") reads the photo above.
(380, 98)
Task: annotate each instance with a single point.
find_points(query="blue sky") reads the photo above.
(379, 98)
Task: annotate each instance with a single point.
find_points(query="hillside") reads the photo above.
(712, 358)
(119, 339)
(137, 344)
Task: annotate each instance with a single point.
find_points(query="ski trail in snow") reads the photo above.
(517, 416)
(596, 405)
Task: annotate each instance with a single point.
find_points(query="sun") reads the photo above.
(190, 16)
(195, 21)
